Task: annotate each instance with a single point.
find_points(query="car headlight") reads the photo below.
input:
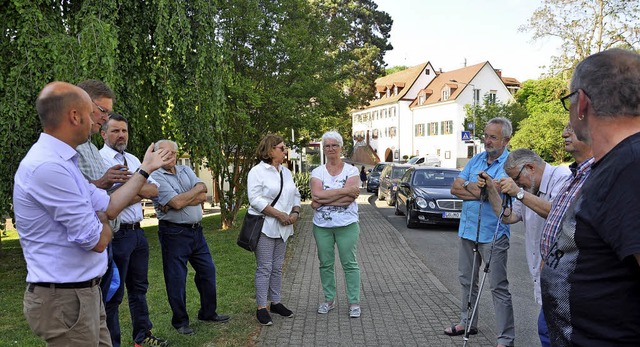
(432, 205)
(421, 202)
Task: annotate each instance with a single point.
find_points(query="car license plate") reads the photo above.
(451, 215)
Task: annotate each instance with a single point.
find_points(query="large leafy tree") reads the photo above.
(585, 27)
(541, 131)
(482, 113)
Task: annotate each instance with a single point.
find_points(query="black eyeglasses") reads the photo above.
(564, 99)
(102, 109)
(519, 173)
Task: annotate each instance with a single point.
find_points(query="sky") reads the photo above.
(447, 32)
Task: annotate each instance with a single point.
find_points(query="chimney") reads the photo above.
(499, 72)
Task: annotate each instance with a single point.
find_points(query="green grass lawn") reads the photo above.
(236, 294)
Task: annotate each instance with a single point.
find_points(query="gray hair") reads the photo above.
(156, 146)
(504, 123)
(332, 135)
(522, 156)
(611, 80)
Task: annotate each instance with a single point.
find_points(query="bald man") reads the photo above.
(63, 224)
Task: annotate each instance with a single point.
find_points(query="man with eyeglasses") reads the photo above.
(475, 210)
(591, 276)
(534, 184)
(93, 167)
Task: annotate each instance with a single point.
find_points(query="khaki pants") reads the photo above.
(67, 317)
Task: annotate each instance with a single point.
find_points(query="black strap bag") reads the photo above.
(252, 226)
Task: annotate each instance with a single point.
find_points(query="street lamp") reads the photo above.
(473, 114)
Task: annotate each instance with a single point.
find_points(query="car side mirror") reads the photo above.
(405, 185)
(369, 171)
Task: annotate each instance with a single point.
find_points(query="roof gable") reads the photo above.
(403, 81)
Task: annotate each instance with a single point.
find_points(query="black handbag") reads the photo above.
(252, 226)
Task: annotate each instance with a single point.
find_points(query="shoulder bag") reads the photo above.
(252, 226)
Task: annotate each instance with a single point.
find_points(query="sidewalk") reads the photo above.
(403, 303)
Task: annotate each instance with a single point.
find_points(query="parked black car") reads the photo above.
(389, 179)
(373, 179)
(424, 197)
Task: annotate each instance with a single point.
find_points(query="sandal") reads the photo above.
(455, 332)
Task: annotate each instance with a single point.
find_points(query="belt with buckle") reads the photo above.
(188, 226)
(86, 284)
(129, 226)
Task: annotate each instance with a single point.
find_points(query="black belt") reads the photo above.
(188, 226)
(86, 284)
(129, 226)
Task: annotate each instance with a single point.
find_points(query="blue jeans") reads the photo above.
(180, 245)
(131, 254)
(543, 332)
(105, 283)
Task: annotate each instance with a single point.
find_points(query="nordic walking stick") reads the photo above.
(483, 195)
(506, 203)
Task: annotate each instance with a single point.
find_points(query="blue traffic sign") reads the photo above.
(466, 136)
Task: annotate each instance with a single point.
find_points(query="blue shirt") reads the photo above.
(55, 209)
(170, 186)
(470, 208)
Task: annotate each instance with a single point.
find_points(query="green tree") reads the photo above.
(541, 133)
(585, 27)
(481, 114)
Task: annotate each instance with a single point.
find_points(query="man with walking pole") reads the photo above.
(477, 226)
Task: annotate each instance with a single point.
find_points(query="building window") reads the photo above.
(384, 113)
(445, 94)
(492, 96)
(433, 129)
(421, 99)
(419, 129)
(447, 127)
(476, 96)
(427, 72)
(392, 112)
(388, 93)
(392, 131)
(375, 115)
(395, 90)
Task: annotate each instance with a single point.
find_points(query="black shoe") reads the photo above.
(185, 330)
(219, 318)
(263, 317)
(280, 309)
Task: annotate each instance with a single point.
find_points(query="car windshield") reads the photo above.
(378, 168)
(413, 160)
(433, 178)
(397, 172)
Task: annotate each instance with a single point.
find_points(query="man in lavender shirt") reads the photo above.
(62, 221)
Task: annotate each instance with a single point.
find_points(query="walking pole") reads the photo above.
(506, 203)
(483, 195)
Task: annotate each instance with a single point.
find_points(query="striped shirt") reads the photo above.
(561, 203)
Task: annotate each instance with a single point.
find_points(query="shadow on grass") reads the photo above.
(236, 296)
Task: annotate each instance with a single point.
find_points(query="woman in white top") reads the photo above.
(263, 186)
(334, 189)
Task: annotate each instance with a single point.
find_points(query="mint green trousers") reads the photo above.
(346, 238)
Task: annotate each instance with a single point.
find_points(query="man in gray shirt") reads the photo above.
(180, 194)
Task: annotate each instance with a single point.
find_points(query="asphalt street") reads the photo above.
(437, 247)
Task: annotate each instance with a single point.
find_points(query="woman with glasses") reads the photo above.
(267, 181)
(334, 189)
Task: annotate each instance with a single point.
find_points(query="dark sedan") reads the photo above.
(424, 197)
(373, 180)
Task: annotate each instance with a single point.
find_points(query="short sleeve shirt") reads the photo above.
(335, 216)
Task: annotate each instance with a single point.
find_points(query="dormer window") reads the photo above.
(421, 99)
(388, 93)
(445, 94)
(395, 90)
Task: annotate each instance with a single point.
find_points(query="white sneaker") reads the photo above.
(325, 307)
(354, 312)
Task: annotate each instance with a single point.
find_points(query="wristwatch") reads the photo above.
(465, 184)
(520, 194)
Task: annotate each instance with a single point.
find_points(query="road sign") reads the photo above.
(466, 136)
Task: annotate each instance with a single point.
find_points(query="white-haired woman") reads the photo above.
(334, 189)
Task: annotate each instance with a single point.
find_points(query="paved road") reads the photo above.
(437, 247)
(403, 303)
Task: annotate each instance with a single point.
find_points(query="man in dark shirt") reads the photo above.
(591, 276)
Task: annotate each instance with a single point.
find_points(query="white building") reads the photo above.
(419, 111)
